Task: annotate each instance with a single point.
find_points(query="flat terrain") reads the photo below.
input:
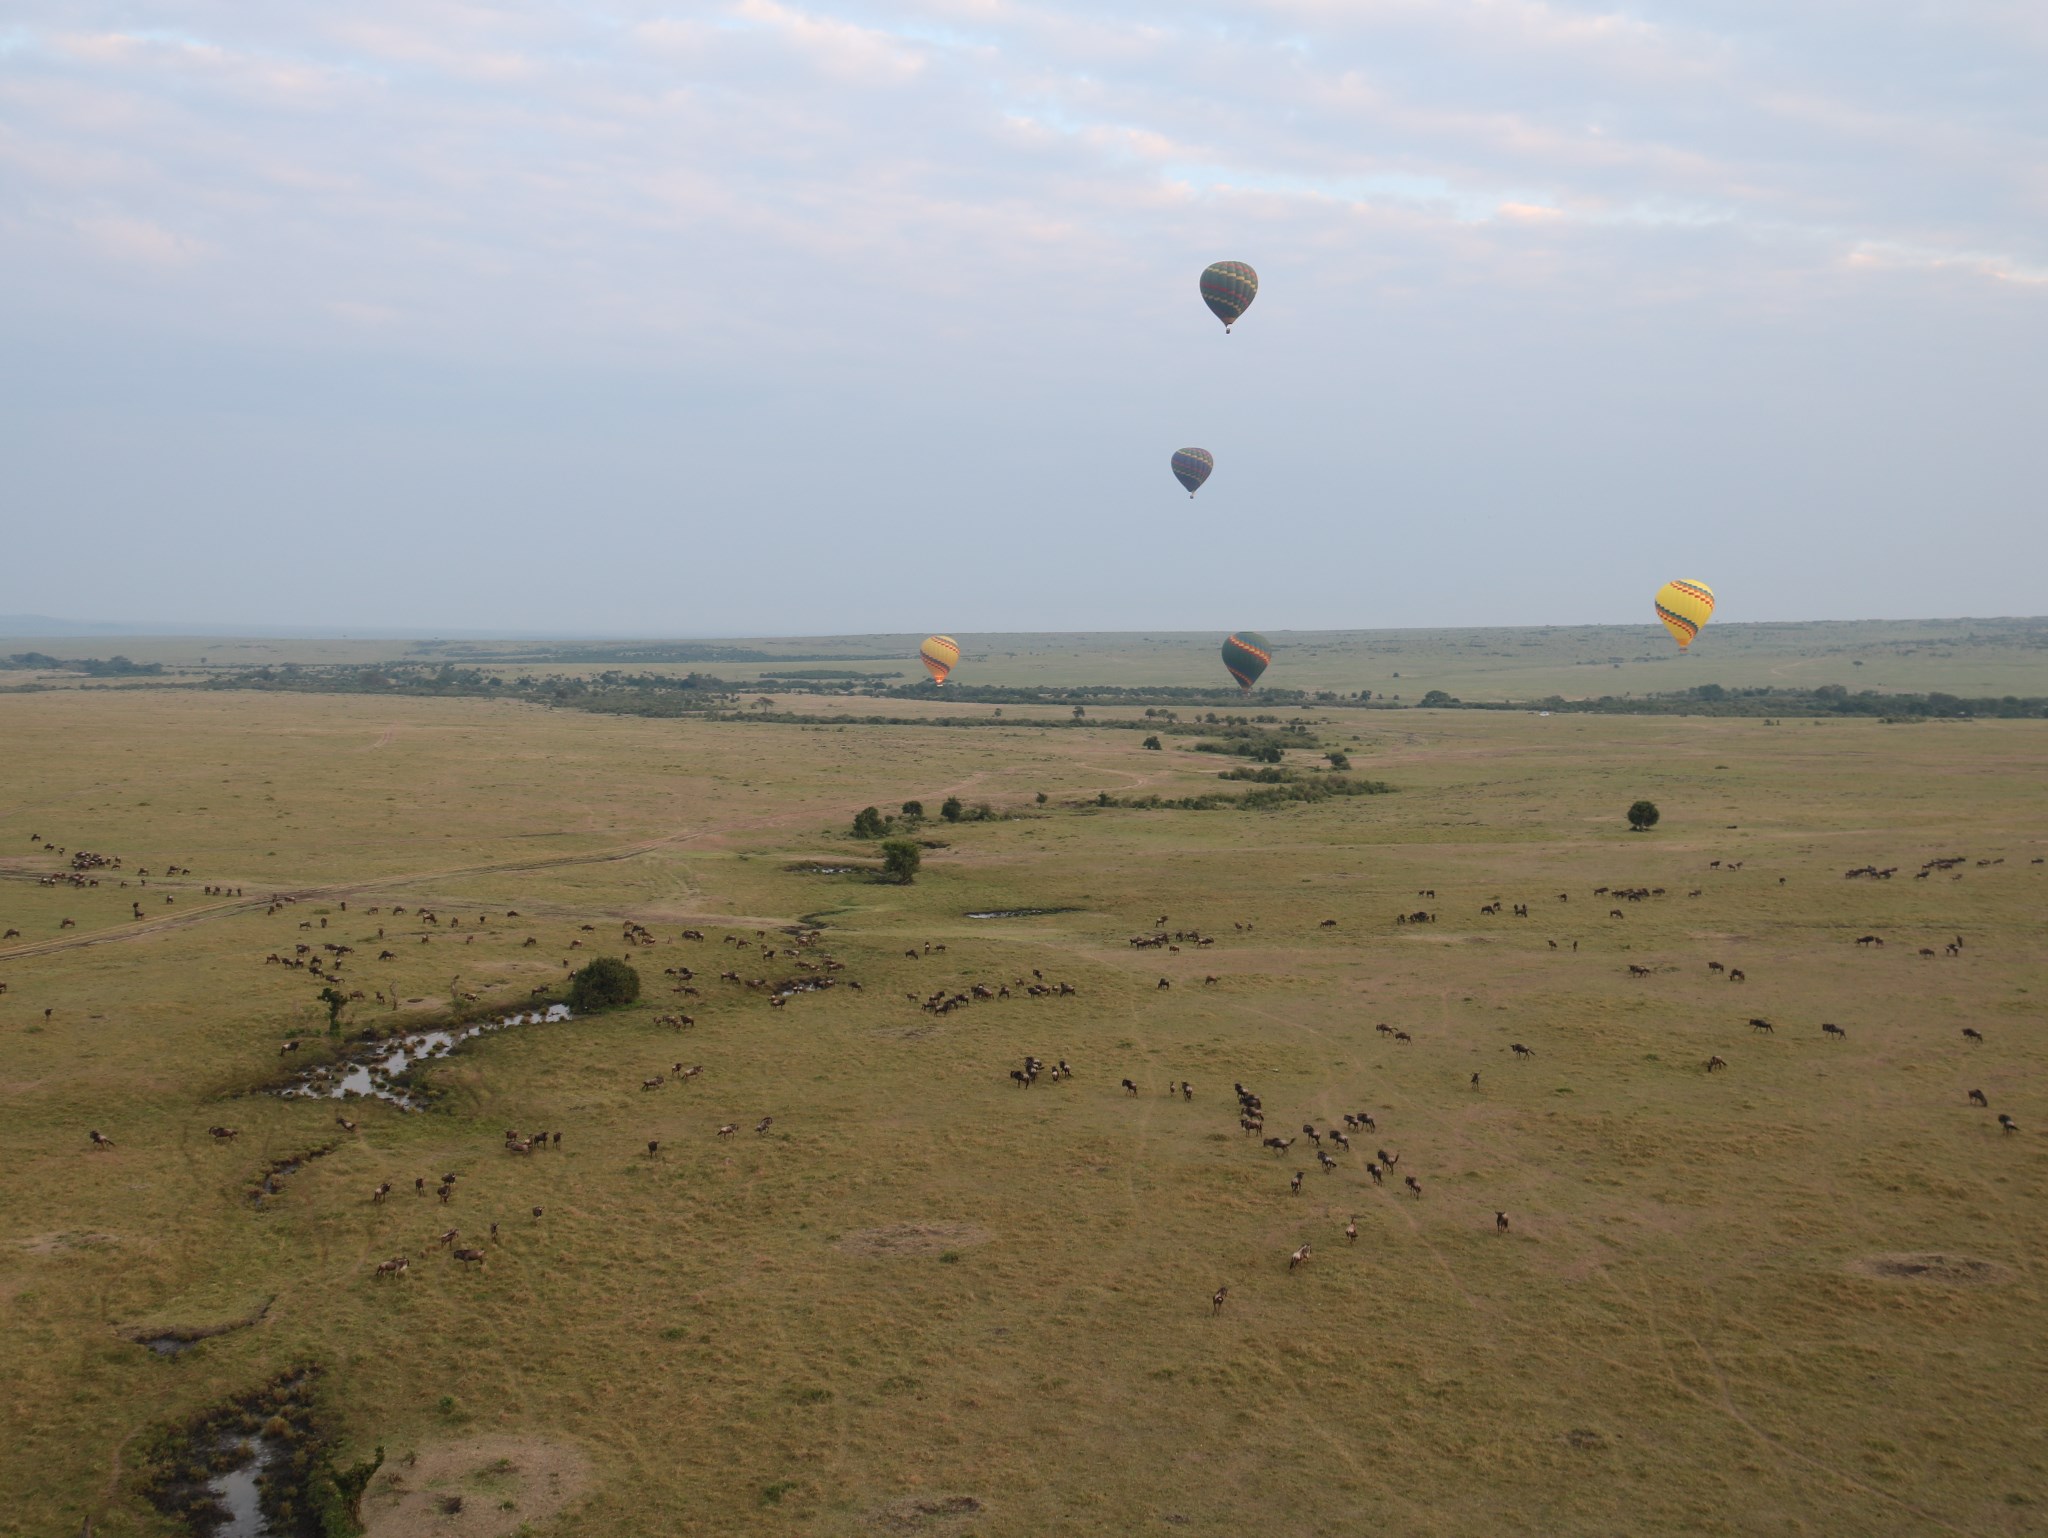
(927, 1301)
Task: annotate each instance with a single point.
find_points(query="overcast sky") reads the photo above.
(765, 317)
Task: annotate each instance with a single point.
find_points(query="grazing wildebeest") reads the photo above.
(1716, 1062)
(381, 1192)
(290, 1046)
(471, 1258)
(654, 1148)
(1521, 1051)
(1758, 1024)
(1216, 1300)
(1413, 1184)
(1971, 1033)
(2007, 1122)
(397, 1265)
(729, 1129)
(536, 1217)
(223, 1134)
(1737, 976)
(100, 1139)
(450, 1236)
(1830, 1029)
(1977, 1098)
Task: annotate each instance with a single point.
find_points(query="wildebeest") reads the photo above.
(1520, 1050)
(1294, 1185)
(1129, 1087)
(1971, 1033)
(1500, 1222)
(1756, 1023)
(1351, 1231)
(1977, 1098)
(1413, 1184)
(1299, 1258)
(1716, 1062)
(100, 1139)
(2007, 1122)
(395, 1266)
(471, 1258)
(223, 1134)
(1216, 1300)
(1828, 1028)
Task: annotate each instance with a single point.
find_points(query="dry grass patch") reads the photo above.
(911, 1241)
(479, 1487)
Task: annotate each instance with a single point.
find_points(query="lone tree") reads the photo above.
(950, 809)
(1154, 744)
(913, 809)
(867, 823)
(333, 998)
(1643, 816)
(605, 983)
(1339, 760)
(900, 860)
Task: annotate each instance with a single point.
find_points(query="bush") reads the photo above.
(867, 823)
(1643, 816)
(606, 983)
(1154, 744)
(1339, 760)
(951, 809)
(913, 809)
(901, 858)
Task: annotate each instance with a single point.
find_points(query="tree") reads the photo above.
(1079, 712)
(1154, 744)
(1268, 753)
(913, 809)
(333, 998)
(867, 823)
(1643, 816)
(1339, 759)
(1435, 698)
(1041, 798)
(900, 859)
(950, 809)
(605, 983)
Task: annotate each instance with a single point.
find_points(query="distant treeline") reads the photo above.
(92, 667)
(583, 656)
(1822, 700)
(1266, 797)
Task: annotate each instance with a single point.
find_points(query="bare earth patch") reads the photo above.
(911, 1240)
(67, 1243)
(478, 1487)
(1949, 1270)
(925, 1514)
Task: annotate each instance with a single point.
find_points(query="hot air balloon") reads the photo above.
(938, 654)
(1246, 655)
(1191, 467)
(1228, 288)
(1684, 606)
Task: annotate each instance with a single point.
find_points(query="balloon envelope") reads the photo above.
(938, 654)
(1246, 655)
(1191, 467)
(1228, 288)
(1684, 606)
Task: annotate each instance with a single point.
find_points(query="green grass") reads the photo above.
(926, 1285)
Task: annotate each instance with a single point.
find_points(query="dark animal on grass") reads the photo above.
(728, 1129)
(654, 1148)
(1716, 1062)
(1351, 1231)
(2007, 1122)
(764, 1124)
(1294, 1185)
(397, 1265)
(1389, 1160)
(1308, 1131)
(223, 1134)
(1299, 1258)
(449, 1236)
(345, 1124)
(1758, 1024)
(1129, 1087)
(471, 1258)
(381, 1192)
(1279, 1145)
(1413, 1184)
(1738, 976)
(290, 1046)
(100, 1139)
(1521, 1051)
(1402, 1036)
(1971, 1033)
(1216, 1301)
(1828, 1028)
(1340, 1140)
(1977, 1098)
(1325, 1161)
(1375, 1171)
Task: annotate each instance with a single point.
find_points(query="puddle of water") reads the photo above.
(370, 1070)
(238, 1494)
(168, 1345)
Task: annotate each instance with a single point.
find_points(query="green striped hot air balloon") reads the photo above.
(1246, 654)
(1228, 288)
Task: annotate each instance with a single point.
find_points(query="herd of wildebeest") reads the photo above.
(813, 971)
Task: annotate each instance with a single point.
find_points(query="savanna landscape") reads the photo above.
(1682, 1179)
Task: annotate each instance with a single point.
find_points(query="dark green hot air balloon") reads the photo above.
(1228, 288)
(1191, 467)
(1246, 654)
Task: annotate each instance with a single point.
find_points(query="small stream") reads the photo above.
(371, 1069)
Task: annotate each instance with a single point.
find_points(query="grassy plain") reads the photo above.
(928, 1302)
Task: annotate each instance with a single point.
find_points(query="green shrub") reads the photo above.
(605, 983)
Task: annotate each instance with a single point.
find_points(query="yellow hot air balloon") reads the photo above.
(940, 652)
(1684, 606)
